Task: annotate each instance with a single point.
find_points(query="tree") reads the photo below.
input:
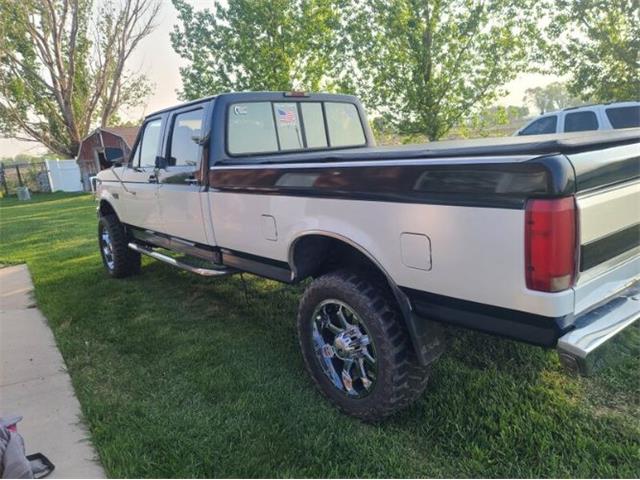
(427, 64)
(60, 73)
(599, 47)
(256, 45)
(554, 96)
(494, 121)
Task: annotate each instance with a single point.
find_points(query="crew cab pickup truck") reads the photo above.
(531, 238)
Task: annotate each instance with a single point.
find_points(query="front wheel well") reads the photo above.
(105, 208)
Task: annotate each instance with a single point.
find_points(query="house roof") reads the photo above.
(128, 134)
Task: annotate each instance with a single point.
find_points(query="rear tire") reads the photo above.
(119, 260)
(392, 381)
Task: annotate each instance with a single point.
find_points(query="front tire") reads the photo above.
(356, 348)
(119, 260)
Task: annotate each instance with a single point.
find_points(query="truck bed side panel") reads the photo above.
(476, 253)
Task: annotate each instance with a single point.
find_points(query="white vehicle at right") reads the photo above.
(608, 116)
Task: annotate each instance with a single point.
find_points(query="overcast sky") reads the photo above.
(155, 57)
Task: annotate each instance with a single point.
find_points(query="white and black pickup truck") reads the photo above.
(532, 238)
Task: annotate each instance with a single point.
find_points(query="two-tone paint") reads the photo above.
(445, 222)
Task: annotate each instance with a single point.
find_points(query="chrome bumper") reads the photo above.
(603, 333)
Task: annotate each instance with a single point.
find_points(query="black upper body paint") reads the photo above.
(499, 185)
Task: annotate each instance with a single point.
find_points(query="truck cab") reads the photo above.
(170, 161)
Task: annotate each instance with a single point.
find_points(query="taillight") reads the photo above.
(550, 244)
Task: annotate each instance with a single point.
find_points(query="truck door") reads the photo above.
(180, 193)
(140, 200)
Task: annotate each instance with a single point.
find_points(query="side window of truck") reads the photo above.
(185, 131)
(251, 129)
(541, 126)
(580, 121)
(624, 117)
(147, 148)
(271, 127)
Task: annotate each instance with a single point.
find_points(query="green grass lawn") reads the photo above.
(182, 376)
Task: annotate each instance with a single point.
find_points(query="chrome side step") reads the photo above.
(205, 272)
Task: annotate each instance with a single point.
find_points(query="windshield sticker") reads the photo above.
(240, 110)
(287, 116)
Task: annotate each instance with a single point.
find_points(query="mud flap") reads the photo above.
(427, 337)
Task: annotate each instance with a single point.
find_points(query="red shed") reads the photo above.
(101, 147)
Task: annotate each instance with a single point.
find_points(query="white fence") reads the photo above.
(64, 175)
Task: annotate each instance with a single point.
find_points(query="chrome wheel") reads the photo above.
(344, 348)
(107, 248)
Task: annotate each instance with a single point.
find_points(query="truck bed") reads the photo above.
(533, 145)
(599, 168)
(588, 173)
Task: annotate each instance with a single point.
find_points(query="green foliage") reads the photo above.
(61, 71)
(256, 45)
(426, 65)
(495, 121)
(183, 376)
(554, 96)
(423, 66)
(596, 43)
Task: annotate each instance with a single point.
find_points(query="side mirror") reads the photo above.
(115, 162)
(201, 139)
(111, 157)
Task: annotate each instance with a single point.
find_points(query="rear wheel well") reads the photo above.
(314, 255)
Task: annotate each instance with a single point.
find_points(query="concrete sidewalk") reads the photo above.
(34, 383)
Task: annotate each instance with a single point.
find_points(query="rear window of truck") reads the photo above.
(271, 127)
(624, 117)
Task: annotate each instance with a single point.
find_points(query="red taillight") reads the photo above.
(550, 244)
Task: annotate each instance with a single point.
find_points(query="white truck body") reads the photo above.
(445, 223)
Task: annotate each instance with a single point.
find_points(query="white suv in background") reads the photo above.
(607, 116)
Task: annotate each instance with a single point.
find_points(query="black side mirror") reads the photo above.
(114, 162)
(202, 138)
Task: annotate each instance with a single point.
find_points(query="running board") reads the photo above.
(205, 272)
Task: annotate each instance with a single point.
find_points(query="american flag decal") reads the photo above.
(286, 116)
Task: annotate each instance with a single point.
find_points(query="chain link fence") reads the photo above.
(33, 175)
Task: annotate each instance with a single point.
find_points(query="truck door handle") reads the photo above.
(153, 178)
